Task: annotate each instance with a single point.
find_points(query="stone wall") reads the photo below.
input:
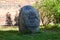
(12, 7)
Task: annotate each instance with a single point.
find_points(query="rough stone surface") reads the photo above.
(29, 19)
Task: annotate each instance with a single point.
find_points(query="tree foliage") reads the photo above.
(49, 9)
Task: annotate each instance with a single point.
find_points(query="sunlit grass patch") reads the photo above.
(7, 28)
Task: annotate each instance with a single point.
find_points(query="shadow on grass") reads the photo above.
(13, 32)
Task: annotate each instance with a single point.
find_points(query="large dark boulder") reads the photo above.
(28, 20)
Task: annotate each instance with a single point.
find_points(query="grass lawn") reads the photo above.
(42, 35)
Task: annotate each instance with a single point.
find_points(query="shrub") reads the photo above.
(52, 27)
(8, 19)
(49, 9)
(49, 26)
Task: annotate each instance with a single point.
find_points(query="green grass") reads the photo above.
(42, 35)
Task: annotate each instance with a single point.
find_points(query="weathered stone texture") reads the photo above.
(29, 19)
